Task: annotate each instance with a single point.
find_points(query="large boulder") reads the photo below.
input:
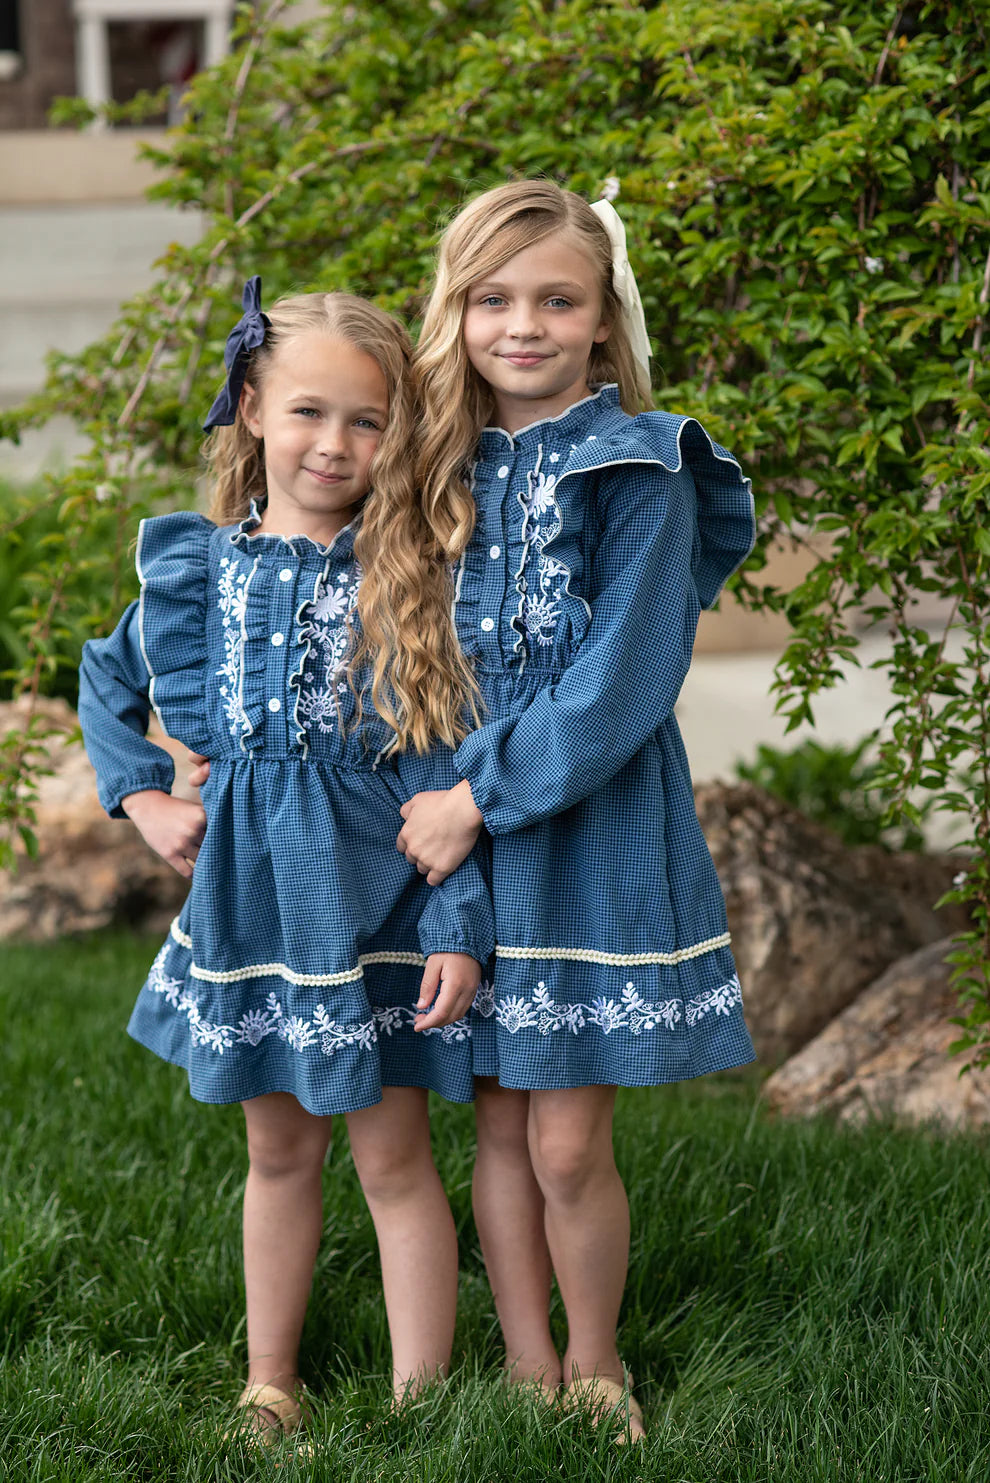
(92, 871)
(889, 1053)
(813, 921)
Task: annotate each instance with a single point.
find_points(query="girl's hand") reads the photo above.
(457, 977)
(199, 771)
(172, 827)
(440, 831)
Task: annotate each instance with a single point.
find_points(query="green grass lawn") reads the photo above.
(804, 1302)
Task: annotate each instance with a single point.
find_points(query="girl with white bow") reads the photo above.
(587, 534)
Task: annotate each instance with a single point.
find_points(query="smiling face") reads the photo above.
(320, 413)
(529, 327)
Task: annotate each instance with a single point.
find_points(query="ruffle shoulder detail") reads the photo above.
(173, 566)
(725, 515)
(726, 519)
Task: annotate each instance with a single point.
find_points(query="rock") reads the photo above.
(888, 1052)
(813, 921)
(92, 871)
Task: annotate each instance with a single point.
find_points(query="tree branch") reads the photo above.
(887, 45)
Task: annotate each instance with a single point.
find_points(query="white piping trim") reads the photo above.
(295, 680)
(144, 650)
(591, 397)
(616, 960)
(520, 646)
(242, 650)
(457, 590)
(281, 970)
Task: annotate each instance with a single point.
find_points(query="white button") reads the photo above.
(488, 624)
(503, 472)
(274, 704)
(495, 552)
(278, 639)
(285, 575)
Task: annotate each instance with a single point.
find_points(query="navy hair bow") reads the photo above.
(246, 336)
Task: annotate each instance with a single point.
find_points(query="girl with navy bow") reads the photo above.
(600, 530)
(301, 639)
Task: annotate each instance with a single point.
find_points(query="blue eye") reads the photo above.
(492, 301)
(367, 422)
(559, 302)
(307, 412)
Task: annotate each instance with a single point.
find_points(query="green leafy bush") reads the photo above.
(31, 521)
(835, 786)
(806, 185)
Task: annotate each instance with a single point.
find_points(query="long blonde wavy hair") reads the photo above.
(457, 403)
(419, 682)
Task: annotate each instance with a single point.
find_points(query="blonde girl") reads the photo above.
(598, 532)
(300, 639)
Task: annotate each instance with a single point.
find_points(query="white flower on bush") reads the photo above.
(610, 188)
(874, 265)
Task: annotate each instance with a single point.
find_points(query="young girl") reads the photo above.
(598, 537)
(292, 980)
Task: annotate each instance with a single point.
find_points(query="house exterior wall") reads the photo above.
(47, 44)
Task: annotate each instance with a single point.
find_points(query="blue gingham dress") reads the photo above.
(599, 539)
(296, 959)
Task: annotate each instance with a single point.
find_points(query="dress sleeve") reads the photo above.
(579, 731)
(113, 711)
(458, 915)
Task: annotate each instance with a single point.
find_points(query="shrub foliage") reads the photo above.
(806, 185)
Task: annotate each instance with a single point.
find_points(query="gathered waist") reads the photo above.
(261, 760)
(509, 689)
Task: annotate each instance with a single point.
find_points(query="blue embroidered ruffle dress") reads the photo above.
(296, 959)
(600, 538)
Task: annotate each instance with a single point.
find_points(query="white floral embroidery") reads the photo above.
(514, 1014)
(327, 630)
(718, 1001)
(540, 500)
(629, 1012)
(301, 1034)
(255, 1024)
(232, 602)
(540, 616)
(484, 999)
(160, 983)
(391, 1018)
(539, 608)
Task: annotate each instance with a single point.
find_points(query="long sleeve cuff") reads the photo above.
(459, 917)
(158, 776)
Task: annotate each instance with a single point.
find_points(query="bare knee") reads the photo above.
(567, 1165)
(392, 1171)
(284, 1146)
(501, 1117)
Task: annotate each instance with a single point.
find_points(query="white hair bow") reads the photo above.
(624, 283)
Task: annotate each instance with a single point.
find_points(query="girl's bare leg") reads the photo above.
(587, 1220)
(416, 1237)
(283, 1222)
(509, 1214)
